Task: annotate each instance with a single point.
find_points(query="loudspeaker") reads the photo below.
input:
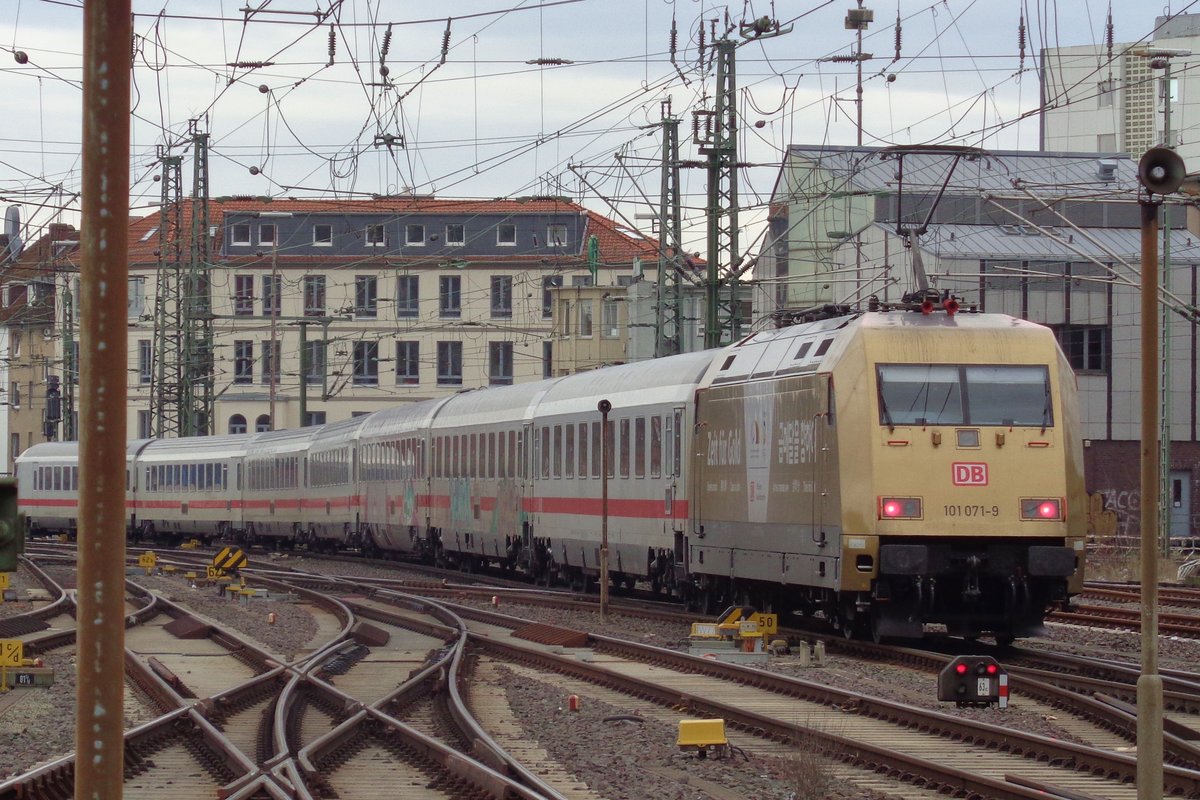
(1161, 170)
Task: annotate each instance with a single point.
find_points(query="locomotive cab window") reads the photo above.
(927, 394)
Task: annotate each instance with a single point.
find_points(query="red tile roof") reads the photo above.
(618, 243)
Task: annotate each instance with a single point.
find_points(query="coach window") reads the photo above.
(491, 451)
(676, 440)
(546, 452)
(639, 447)
(583, 449)
(655, 446)
(569, 452)
(597, 455)
(474, 472)
(516, 443)
(624, 448)
(558, 450)
(610, 443)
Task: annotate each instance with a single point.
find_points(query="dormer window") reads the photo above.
(239, 234)
(414, 235)
(323, 235)
(556, 235)
(456, 234)
(266, 234)
(506, 234)
(376, 236)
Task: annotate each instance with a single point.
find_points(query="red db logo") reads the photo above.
(969, 474)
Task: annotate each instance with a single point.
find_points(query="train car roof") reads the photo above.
(659, 381)
(337, 433)
(795, 349)
(401, 418)
(283, 441)
(44, 450)
(196, 447)
(493, 404)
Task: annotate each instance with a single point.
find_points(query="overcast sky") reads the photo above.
(487, 123)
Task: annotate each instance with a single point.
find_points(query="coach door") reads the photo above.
(666, 451)
(822, 433)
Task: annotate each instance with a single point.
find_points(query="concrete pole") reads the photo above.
(104, 274)
(1149, 685)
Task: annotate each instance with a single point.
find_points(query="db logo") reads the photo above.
(968, 474)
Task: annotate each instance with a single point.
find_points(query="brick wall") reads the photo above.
(1112, 470)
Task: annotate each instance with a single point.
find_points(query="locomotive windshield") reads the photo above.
(929, 394)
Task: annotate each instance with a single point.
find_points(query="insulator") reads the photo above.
(1108, 33)
(1021, 36)
(701, 46)
(387, 42)
(674, 38)
(898, 36)
(446, 41)
(332, 43)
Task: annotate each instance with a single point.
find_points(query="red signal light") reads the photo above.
(1048, 510)
(899, 508)
(992, 669)
(891, 509)
(1042, 508)
(960, 668)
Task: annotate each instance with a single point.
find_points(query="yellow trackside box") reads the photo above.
(701, 734)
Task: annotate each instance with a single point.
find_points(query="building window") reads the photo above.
(548, 283)
(137, 296)
(456, 234)
(609, 318)
(73, 363)
(144, 425)
(314, 295)
(14, 394)
(270, 295)
(556, 235)
(450, 296)
(314, 362)
(408, 295)
(376, 236)
(1106, 143)
(366, 363)
(365, 297)
(239, 234)
(449, 364)
(270, 362)
(408, 363)
(323, 234)
(501, 295)
(243, 295)
(1088, 347)
(500, 363)
(313, 418)
(583, 280)
(506, 234)
(237, 424)
(267, 235)
(585, 317)
(145, 360)
(1104, 94)
(547, 359)
(243, 361)
(262, 424)
(414, 235)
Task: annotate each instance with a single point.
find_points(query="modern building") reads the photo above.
(1050, 237)
(1114, 99)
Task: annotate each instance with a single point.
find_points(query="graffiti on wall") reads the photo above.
(1113, 513)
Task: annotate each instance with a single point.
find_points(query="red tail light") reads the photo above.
(1049, 508)
(899, 508)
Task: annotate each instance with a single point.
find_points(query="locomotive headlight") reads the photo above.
(1049, 508)
(899, 508)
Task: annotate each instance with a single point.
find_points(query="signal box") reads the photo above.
(974, 681)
